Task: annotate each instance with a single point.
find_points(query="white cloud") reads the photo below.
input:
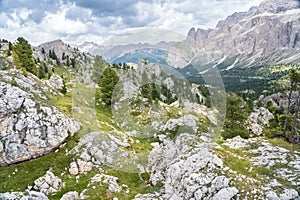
(74, 24)
(59, 24)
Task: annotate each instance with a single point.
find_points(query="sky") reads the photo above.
(99, 21)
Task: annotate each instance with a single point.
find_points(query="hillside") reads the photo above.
(158, 140)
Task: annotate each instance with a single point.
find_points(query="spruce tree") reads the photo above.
(107, 83)
(23, 56)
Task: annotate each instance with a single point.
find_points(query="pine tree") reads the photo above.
(64, 89)
(294, 78)
(63, 57)
(107, 83)
(98, 68)
(236, 116)
(68, 60)
(50, 54)
(23, 56)
(73, 62)
(41, 72)
(10, 46)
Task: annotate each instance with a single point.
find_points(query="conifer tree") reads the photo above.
(107, 83)
(23, 56)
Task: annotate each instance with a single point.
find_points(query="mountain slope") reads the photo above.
(265, 35)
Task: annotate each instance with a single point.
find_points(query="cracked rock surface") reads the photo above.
(29, 128)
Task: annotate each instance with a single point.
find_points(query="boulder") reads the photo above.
(48, 184)
(28, 127)
(73, 195)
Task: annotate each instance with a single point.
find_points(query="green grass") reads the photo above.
(173, 112)
(238, 160)
(63, 103)
(285, 182)
(104, 114)
(263, 170)
(72, 185)
(133, 181)
(282, 143)
(33, 169)
(143, 145)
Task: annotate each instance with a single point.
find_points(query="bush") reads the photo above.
(231, 133)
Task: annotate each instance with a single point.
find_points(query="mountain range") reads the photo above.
(267, 34)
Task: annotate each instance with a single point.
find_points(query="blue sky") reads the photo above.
(76, 21)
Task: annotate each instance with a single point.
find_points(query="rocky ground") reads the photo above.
(189, 168)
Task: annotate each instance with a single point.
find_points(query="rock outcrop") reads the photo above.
(258, 120)
(187, 172)
(29, 128)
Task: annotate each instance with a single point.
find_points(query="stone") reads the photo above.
(31, 195)
(73, 170)
(113, 186)
(154, 196)
(258, 119)
(73, 195)
(236, 142)
(84, 166)
(48, 184)
(271, 195)
(187, 172)
(55, 81)
(219, 183)
(169, 83)
(288, 194)
(225, 194)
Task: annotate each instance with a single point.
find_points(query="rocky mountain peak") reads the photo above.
(277, 6)
(192, 33)
(267, 6)
(256, 37)
(60, 49)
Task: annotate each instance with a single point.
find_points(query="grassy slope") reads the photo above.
(59, 161)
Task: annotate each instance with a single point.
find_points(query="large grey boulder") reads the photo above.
(29, 128)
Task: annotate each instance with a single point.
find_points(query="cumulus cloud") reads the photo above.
(76, 21)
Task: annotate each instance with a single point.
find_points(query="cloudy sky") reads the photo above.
(76, 21)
